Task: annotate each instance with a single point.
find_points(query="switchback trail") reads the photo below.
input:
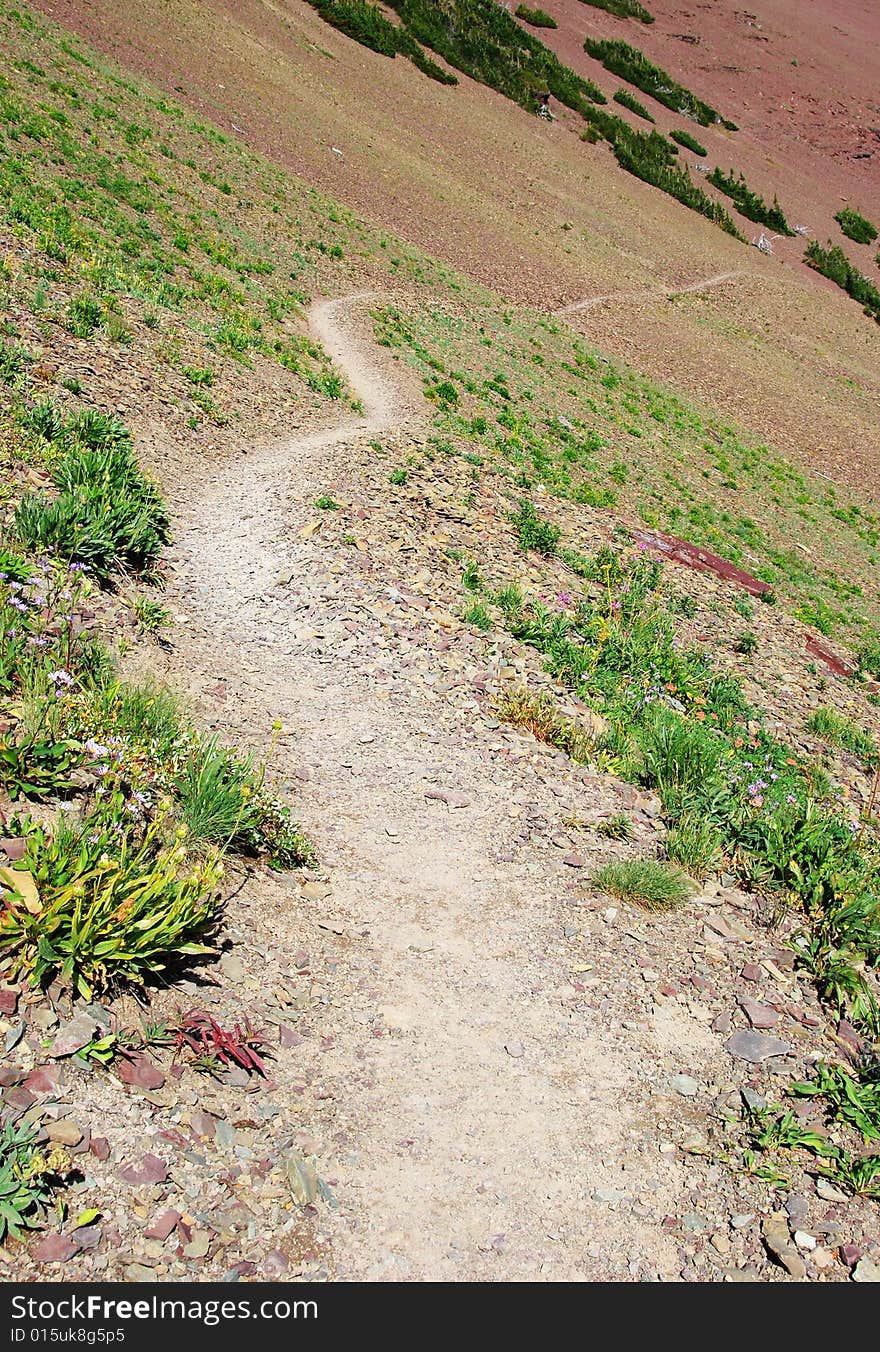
(493, 1118)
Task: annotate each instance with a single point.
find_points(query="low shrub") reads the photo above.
(628, 100)
(537, 18)
(684, 138)
(855, 226)
(748, 203)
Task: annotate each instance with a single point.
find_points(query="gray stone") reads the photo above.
(755, 1047)
(755, 1102)
(685, 1085)
(798, 1207)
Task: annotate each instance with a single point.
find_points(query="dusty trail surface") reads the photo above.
(484, 1103)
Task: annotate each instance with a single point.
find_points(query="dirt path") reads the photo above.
(494, 1124)
(654, 293)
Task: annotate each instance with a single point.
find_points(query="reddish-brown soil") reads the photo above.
(530, 210)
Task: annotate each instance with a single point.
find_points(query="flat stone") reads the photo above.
(828, 1192)
(55, 1248)
(8, 1000)
(797, 1207)
(514, 1048)
(150, 1170)
(694, 1222)
(74, 1035)
(750, 972)
(575, 861)
(64, 1132)
(163, 1225)
(198, 1245)
(685, 1085)
(100, 1147)
(139, 1071)
(758, 1015)
(755, 1102)
(777, 1237)
(43, 1079)
(203, 1124)
(756, 1047)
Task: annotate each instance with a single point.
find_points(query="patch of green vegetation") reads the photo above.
(856, 226)
(748, 203)
(478, 615)
(689, 142)
(834, 264)
(533, 532)
(367, 24)
(649, 883)
(30, 1175)
(537, 714)
(633, 66)
(563, 426)
(326, 504)
(623, 9)
(628, 100)
(538, 18)
(106, 515)
(839, 730)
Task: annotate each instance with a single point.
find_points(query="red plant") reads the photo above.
(203, 1036)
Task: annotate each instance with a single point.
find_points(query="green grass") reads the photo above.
(648, 883)
(856, 226)
(748, 203)
(840, 731)
(694, 843)
(533, 532)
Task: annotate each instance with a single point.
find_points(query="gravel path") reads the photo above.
(487, 1111)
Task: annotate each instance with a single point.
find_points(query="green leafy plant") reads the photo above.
(694, 842)
(617, 827)
(746, 644)
(326, 504)
(94, 909)
(28, 1178)
(107, 514)
(151, 615)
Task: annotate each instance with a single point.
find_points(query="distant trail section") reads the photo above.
(654, 293)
